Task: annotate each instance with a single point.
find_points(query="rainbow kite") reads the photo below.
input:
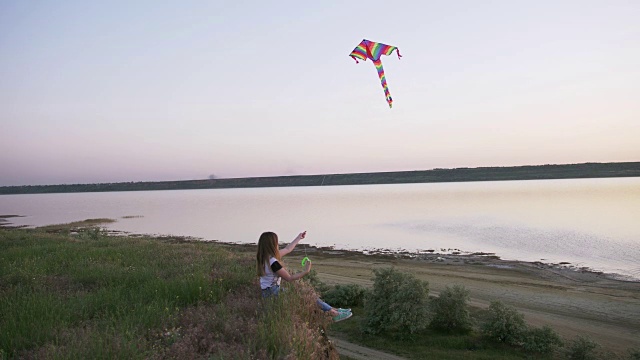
(373, 50)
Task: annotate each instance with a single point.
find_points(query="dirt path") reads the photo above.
(569, 301)
(358, 352)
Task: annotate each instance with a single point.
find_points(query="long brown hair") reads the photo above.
(267, 247)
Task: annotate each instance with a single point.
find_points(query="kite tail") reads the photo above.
(383, 81)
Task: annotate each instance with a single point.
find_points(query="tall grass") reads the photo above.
(88, 295)
(295, 309)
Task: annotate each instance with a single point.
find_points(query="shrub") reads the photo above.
(397, 303)
(345, 295)
(582, 348)
(541, 340)
(634, 354)
(505, 324)
(450, 311)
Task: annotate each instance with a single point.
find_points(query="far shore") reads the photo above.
(438, 175)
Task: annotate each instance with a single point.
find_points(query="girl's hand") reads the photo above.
(301, 235)
(307, 266)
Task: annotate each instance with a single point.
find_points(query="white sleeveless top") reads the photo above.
(270, 278)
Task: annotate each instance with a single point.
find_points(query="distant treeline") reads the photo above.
(537, 172)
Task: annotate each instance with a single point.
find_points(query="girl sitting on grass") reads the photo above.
(271, 271)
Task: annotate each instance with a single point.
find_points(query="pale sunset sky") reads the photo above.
(115, 91)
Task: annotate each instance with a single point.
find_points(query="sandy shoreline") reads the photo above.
(458, 257)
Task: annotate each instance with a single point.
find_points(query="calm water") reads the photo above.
(588, 222)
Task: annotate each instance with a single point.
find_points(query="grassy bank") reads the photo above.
(73, 292)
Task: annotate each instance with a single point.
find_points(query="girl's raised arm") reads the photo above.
(289, 248)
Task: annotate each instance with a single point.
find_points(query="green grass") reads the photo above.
(69, 292)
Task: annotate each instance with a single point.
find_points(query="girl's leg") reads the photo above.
(337, 316)
(323, 305)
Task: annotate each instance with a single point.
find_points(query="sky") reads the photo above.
(118, 91)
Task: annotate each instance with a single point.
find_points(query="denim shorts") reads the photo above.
(275, 290)
(272, 290)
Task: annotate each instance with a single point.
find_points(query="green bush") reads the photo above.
(345, 295)
(450, 310)
(582, 348)
(541, 340)
(397, 303)
(505, 324)
(634, 354)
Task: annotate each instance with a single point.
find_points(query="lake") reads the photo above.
(592, 223)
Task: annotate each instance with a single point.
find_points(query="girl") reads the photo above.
(271, 271)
